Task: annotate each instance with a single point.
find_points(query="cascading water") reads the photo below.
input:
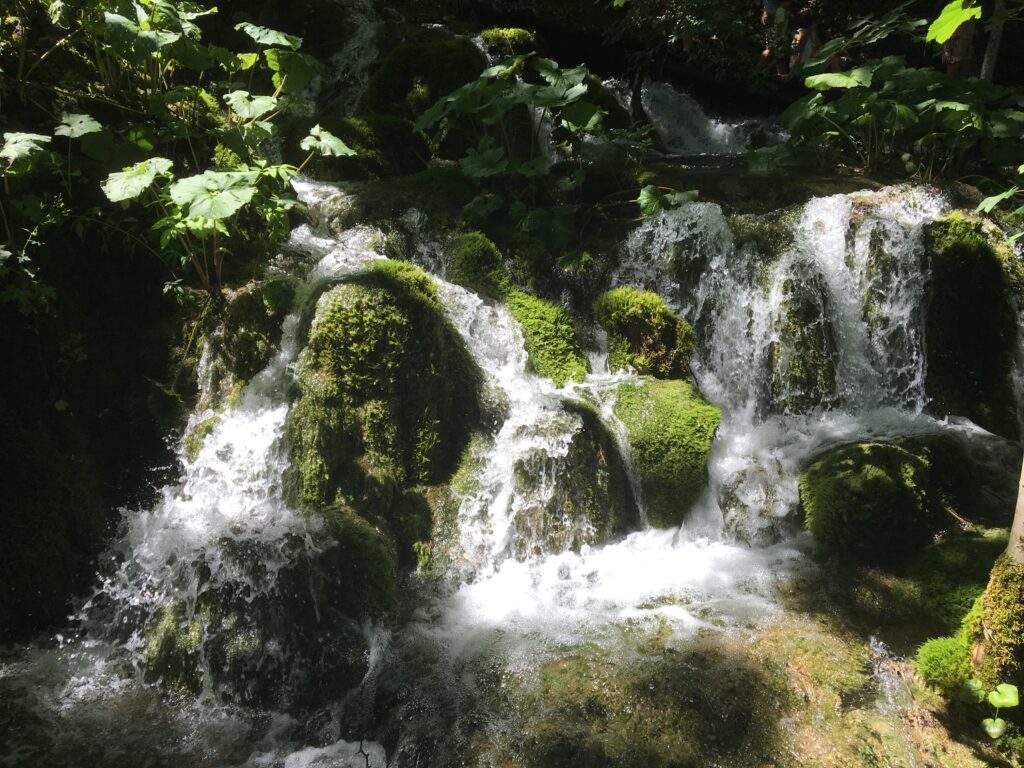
(843, 274)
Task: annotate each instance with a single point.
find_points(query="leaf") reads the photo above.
(486, 160)
(651, 200)
(582, 116)
(21, 145)
(267, 36)
(972, 691)
(538, 166)
(861, 76)
(325, 143)
(949, 21)
(482, 207)
(249, 107)
(994, 727)
(1004, 696)
(292, 71)
(989, 203)
(75, 126)
(214, 194)
(135, 179)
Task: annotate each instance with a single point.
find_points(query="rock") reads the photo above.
(803, 354)
(643, 334)
(670, 427)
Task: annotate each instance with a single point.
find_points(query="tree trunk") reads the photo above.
(1014, 548)
(988, 65)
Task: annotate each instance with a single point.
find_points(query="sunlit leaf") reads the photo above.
(1004, 696)
(949, 21)
(994, 727)
(249, 107)
(292, 71)
(75, 126)
(326, 143)
(989, 203)
(861, 76)
(214, 194)
(267, 36)
(21, 145)
(135, 179)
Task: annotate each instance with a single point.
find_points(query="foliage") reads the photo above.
(670, 427)
(643, 334)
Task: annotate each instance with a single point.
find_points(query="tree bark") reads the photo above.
(988, 64)
(1014, 548)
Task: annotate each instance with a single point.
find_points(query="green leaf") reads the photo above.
(994, 727)
(486, 160)
(326, 143)
(75, 126)
(21, 145)
(214, 194)
(651, 200)
(135, 179)
(582, 117)
(861, 76)
(292, 71)
(989, 203)
(1004, 696)
(538, 166)
(972, 691)
(949, 21)
(267, 36)
(249, 107)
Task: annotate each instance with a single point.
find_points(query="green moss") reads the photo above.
(643, 334)
(386, 387)
(670, 429)
(193, 443)
(970, 355)
(477, 264)
(509, 40)
(549, 338)
(171, 655)
(877, 501)
(944, 662)
(1000, 623)
(803, 357)
(413, 76)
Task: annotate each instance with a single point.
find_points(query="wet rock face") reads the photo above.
(581, 496)
(974, 296)
(670, 427)
(803, 354)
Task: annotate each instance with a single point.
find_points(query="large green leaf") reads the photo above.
(135, 179)
(214, 194)
(952, 16)
(21, 145)
(292, 71)
(1004, 696)
(75, 126)
(326, 143)
(582, 117)
(267, 36)
(485, 160)
(249, 107)
(861, 76)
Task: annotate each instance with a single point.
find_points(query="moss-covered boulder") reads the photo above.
(670, 427)
(643, 334)
(415, 75)
(975, 286)
(876, 502)
(803, 352)
(386, 389)
(508, 41)
(477, 264)
(580, 496)
(281, 621)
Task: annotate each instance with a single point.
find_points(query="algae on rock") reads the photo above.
(975, 289)
(643, 334)
(803, 355)
(670, 427)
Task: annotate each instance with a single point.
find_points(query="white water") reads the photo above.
(518, 598)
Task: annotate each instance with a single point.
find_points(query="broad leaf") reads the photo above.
(267, 36)
(135, 179)
(989, 203)
(994, 727)
(949, 21)
(75, 126)
(292, 71)
(1004, 696)
(972, 691)
(21, 145)
(326, 143)
(486, 160)
(538, 166)
(861, 76)
(214, 194)
(582, 116)
(250, 107)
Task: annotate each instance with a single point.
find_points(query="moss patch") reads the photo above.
(643, 334)
(509, 40)
(477, 264)
(803, 356)
(194, 440)
(549, 338)
(877, 501)
(670, 429)
(1000, 624)
(970, 356)
(414, 76)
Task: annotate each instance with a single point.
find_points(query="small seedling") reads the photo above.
(1003, 696)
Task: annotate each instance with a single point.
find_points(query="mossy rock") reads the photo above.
(876, 502)
(576, 498)
(643, 334)
(974, 290)
(803, 354)
(477, 264)
(283, 634)
(670, 427)
(386, 387)
(999, 624)
(549, 338)
(509, 41)
(385, 146)
(193, 442)
(414, 76)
